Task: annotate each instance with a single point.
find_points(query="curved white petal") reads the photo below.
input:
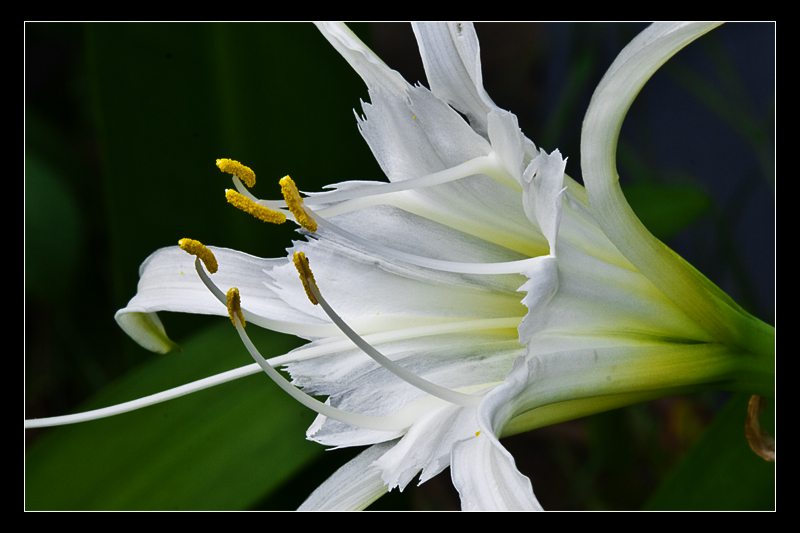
(610, 103)
(353, 487)
(168, 281)
(363, 60)
(487, 478)
(543, 187)
(147, 330)
(451, 57)
(483, 471)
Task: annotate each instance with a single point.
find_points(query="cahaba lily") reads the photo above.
(479, 293)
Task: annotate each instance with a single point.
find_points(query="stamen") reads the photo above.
(242, 172)
(446, 394)
(397, 422)
(292, 328)
(235, 306)
(247, 205)
(488, 165)
(508, 267)
(306, 276)
(295, 204)
(301, 354)
(199, 250)
(147, 401)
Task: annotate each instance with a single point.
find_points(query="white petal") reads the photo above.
(360, 287)
(451, 57)
(683, 284)
(594, 307)
(372, 70)
(547, 388)
(417, 134)
(484, 473)
(353, 487)
(168, 281)
(358, 384)
(487, 478)
(508, 142)
(543, 183)
(147, 330)
(541, 287)
(427, 445)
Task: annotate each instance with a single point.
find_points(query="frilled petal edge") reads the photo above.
(354, 486)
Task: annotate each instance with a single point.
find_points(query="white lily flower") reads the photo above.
(492, 293)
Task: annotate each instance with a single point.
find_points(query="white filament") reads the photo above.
(486, 164)
(396, 422)
(292, 328)
(301, 354)
(153, 399)
(446, 394)
(350, 200)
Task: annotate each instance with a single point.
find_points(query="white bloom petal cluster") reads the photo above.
(480, 268)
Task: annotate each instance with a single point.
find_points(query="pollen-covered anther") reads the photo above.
(198, 249)
(302, 266)
(295, 204)
(240, 201)
(242, 172)
(235, 306)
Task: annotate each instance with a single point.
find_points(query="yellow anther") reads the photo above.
(295, 204)
(247, 205)
(301, 264)
(235, 306)
(198, 249)
(242, 172)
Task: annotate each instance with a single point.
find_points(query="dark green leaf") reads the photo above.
(720, 472)
(222, 448)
